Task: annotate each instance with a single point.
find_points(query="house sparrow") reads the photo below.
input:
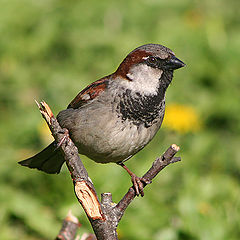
(115, 117)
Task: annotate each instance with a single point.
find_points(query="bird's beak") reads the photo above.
(174, 63)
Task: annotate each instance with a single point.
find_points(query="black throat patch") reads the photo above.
(141, 109)
(145, 109)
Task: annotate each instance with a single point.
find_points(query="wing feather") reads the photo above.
(89, 93)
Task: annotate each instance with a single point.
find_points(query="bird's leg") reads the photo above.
(65, 137)
(138, 182)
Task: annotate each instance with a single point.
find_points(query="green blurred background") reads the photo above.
(51, 49)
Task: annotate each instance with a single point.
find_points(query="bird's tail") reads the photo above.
(49, 160)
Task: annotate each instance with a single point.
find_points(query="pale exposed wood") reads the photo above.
(88, 200)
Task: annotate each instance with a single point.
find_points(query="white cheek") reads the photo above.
(144, 79)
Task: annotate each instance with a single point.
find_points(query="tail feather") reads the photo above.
(49, 160)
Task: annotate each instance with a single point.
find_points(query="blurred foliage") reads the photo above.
(52, 49)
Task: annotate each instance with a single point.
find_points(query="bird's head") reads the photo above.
(147, 68)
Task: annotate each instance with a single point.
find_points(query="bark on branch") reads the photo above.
(69, 228)
(104, 216)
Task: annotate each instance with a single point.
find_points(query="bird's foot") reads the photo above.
(139, 183)
(64, 138)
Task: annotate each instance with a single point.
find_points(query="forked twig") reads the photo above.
(105, 216)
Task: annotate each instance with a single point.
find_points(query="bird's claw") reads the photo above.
(65, 136)
(139, 183)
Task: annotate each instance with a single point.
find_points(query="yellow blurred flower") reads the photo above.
(181, 118)
(204, 208)
(44, 133)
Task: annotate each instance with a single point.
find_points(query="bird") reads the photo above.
(116, 116)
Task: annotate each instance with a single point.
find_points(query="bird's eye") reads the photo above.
(152, 59)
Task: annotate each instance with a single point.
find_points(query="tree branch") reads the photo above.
(158, 165)
(105, 216)
(69, 228)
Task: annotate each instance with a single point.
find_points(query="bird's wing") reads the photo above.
(89, 93)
